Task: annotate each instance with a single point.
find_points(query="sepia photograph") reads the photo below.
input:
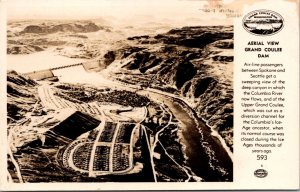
(119, 91)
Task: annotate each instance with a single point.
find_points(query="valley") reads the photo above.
(120, 108)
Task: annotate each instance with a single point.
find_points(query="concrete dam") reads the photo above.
(54, 73)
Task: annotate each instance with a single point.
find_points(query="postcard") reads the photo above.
(149, 95)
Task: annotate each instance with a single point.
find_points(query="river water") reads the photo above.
(207, 157)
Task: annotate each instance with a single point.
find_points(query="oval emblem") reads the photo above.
(260, 173)
(263, 22)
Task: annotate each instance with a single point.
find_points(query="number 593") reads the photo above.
(261, 157)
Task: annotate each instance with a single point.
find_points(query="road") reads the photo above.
(71, 151)
(206, 152)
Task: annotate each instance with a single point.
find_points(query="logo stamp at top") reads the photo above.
(263, 22)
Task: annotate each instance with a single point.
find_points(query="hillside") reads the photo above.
(21, 95)
(67, 38)
(195, 63)
(66, 27)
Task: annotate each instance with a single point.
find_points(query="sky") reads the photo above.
(176, 10)
(127, 10)
(92, 8)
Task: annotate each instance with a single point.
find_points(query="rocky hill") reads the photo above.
(65, 27)
(193, 62)
(22, 49)
(70, 38)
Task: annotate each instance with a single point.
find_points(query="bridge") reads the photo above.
(66, 66)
